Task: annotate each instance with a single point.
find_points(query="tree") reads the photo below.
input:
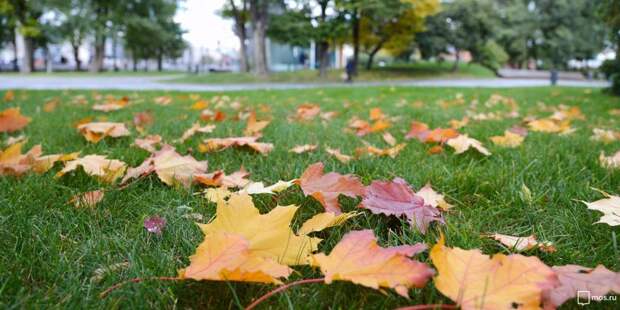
(25, 16)
(259, 13)
(238, 10)
(75, 24)
(392, 24)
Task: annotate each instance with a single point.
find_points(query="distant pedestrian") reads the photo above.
(350, 70)
(554, 77)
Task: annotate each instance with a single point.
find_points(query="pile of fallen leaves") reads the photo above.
(241, 244)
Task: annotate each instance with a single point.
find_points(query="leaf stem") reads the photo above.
(105, 293)
(282, 288)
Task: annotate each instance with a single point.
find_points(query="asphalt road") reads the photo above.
(160, 83)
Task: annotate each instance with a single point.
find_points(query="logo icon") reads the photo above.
(583, 298)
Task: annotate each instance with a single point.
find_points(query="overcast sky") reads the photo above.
(206, 29)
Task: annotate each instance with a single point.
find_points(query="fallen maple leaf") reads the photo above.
(432, 198)
(9, 95)
(550, 126)
(44, 163)
(12, 120)
(397, 198)
(325, 220)
(148, 143)
(170, 167)
(254, 127)
(463, 143)
(88, 199)
(326, 188)
(573, 279)
(610, 162)
(520, 244)
(610, 207)
(260, 188)
(339, 156)
(229, 257)
(359, 259)
(299, 149)
(306, 112)
(268, 235)
(194, 129)
(13, 162)
(391, 152)
(216, 144)
(509, 139)
(107, 170)
(94, 132)
(219, 178)
(476, 281)
(422, 132)
(155, 224)
(143, 119)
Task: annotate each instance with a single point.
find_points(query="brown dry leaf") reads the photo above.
(12, 140)
(148, 143)
(216, 144)
(359, 259)
(226, 256)
(13, 162)
(195, 129)
(476, 281)
(254, 188)
(208, 115)
(376, 114)
(269, 235)
(220, 179)
(520, 244)
(299, 149)
(326, 188)
(568, 113)
(509, 139)
(170, 167)
(573, 279)
(458, 124)
(463, 143)
(12, 120)
(339, 156)
(88, 199)
(254, 127)
(94, 132)
(610, 162)
(106, 170)
(111, 105)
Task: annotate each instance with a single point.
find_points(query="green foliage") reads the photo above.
(492, 56)
(615, 84)
(609, 67)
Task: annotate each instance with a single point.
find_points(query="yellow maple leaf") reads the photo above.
(229, 257)
(269, 235)
(476, 281)
(463, 143)
(359, 259)
(325, 220)
(509, 139)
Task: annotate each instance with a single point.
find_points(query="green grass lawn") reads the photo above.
(50, 250)
(419, 70)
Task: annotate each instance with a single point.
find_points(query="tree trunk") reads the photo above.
(356, 40)
(323, 58)
(371, 55)
(135, 64)
(28, 60)
(15, 54)
(76, 57)
(244, 65)
(160, 62)
(457, 58)
(258, 10)
(97, 64)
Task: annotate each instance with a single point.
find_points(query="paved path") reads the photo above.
(160, 83)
